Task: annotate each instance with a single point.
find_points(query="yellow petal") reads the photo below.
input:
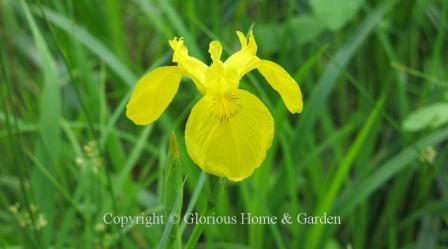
(229, 134)
(242, 61)
(193, 68)
(242, 38)
(152, 94)
(283, 83)
(215, 50)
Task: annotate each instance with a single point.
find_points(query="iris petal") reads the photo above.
(215, 50)
(152, 94)
(192, 67)
(283, 83)
(242, 61)
(229, 134)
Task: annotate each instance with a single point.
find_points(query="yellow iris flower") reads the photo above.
(229, 130)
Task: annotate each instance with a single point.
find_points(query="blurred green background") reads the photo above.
(370, 146)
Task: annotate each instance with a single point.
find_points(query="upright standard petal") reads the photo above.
(242, 61)
(215, 51)
(152, 94)
(283, 83)
(229, 134)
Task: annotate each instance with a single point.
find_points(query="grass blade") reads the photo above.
(93, 44)
(395, 165)
(327, 82)
(341, 174)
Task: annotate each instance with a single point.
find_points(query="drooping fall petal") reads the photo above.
(152, 94)
(283, 83)
(229, 134)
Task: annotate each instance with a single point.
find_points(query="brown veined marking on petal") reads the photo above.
(225, 107)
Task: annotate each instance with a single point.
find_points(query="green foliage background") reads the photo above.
(370, 146)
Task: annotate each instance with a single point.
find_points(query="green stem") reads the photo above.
(216, 186)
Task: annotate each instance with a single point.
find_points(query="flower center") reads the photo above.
(225, 106)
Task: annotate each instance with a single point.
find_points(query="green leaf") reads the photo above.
(334, 14)
(309, 64)
(342, 173)
(179, 25)
(173, 191)
(172, 176)
(92, 43)
(431, 116)
(318, 98)
(133, 157)
(49, 147)
(270, 35)
(305, 28)
(332, 244)
(427, 236)
(361, 191)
